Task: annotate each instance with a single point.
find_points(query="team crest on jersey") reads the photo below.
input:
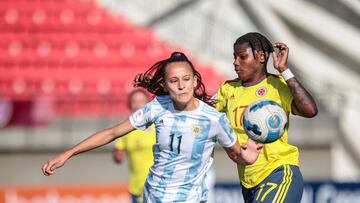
(196, 130)
(232, 97)
(261, 92)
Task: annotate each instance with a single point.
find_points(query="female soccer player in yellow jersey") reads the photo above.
(137, 146)
(275, 176)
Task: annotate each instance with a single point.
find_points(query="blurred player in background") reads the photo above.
(187, 129)
(275, 176)
(137, 146)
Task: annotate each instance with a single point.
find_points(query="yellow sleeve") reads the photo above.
(120, 143)
(220, 97)
(285, 95)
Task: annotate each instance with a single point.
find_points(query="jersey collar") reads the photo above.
(249, 84)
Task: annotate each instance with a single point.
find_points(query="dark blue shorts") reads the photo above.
(136, 198)
(284, 185)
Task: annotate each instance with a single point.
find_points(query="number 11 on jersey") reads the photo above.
(175, 143)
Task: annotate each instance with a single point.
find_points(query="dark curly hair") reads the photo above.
(153, 79)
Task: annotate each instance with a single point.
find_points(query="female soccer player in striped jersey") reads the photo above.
(187, 129)
(275, 176)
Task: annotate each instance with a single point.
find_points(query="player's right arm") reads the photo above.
(94, 141)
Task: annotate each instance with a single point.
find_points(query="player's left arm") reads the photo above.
(245, 154)
(303, 103)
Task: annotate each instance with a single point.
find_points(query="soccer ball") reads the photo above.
(265, 121)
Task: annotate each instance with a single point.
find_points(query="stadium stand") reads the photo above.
(77, 53)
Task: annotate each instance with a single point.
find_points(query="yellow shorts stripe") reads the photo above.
(287, 186)
(283, 184)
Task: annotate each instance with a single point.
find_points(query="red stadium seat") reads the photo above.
(83, 56)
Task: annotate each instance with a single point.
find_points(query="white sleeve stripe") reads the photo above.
(132, 122)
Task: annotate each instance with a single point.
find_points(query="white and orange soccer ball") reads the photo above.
(265, 121)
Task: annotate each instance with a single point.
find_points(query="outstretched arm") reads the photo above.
(96, 140)
(303, 103)
(245, 154)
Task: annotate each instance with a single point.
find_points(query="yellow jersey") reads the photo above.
(233, 97)
(138, 146)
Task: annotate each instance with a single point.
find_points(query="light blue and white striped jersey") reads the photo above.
(183, 151)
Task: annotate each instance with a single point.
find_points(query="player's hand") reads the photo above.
(252, 146)
(141, 79)
(250, 151)
(51, 165)
(280, 56)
